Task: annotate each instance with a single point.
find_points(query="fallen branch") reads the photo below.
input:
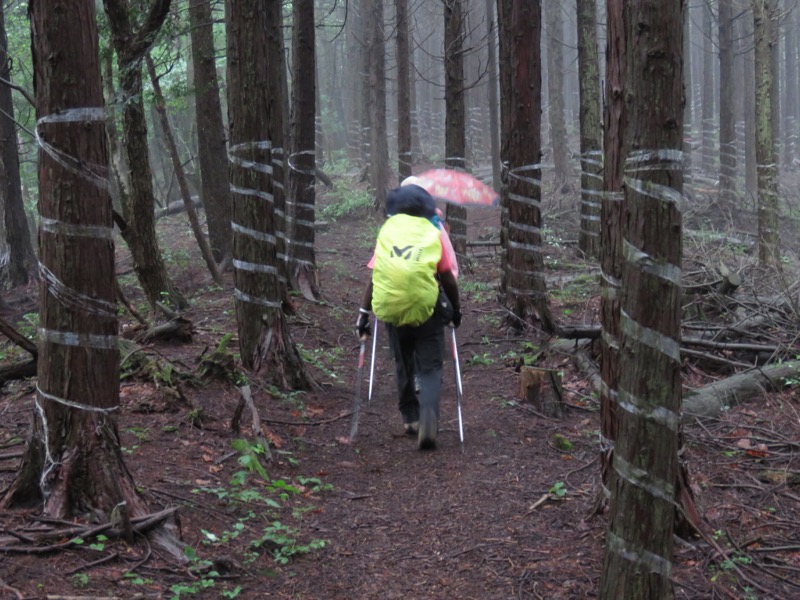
(17, 371)
(15, 591)
(710, 400)
(140, 524)
(18, 339)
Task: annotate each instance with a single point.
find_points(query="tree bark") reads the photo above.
(750, 165)
(523, 283)
(707, 105)
(376, 107)
(73, 463)
(212, 150)
(768, 241)
(405, 157)
(265, 345)
(455, 143)
(612, 210)
(591, 131)
(21, 257)
(492, 92)
(790, 104)
(645, 469)
(140, 234)
(727, 116)
(302, 259)
(555, 90)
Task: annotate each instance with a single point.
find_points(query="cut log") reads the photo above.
(712, 399)
(542, 388)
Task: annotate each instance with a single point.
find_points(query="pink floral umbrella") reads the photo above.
(456, 187)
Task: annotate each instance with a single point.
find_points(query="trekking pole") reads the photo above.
(357, 402)
(459, 389)
(372, 362)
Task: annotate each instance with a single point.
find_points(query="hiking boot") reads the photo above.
(428, 427)
(411, 428)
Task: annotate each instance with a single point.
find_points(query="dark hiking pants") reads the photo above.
(418, 352)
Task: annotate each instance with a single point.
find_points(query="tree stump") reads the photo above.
(542, 388)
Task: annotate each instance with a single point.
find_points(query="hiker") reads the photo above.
(413, 290)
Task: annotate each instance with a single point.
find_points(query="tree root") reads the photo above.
(141, 525)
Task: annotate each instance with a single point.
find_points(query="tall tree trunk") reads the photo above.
(21, 259)
(265, 345)
(727, 115)
(612, 211)
(140, 234)
(376, 108)
(591, 130)
(555, 90)
(790, 97)
(455, 143)
(492, 92)
(405, 157)
(768, 241)
(278, 89)
(211, 143)
(354, 79)
(302, 164)
(688, 110)
(751, 162)
(117, 178)
(521, 90)
(775, 43)
(73, 463)
(707, 106)
(645, 466)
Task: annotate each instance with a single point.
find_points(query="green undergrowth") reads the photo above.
(268, 522)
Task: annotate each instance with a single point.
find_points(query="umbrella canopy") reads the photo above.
(457, 187)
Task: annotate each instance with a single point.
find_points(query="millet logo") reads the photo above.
(404, 252)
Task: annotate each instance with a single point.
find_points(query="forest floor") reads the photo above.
(509, 513)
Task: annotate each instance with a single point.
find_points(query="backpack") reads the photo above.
(404, 286)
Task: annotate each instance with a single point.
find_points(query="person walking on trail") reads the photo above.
(413, 290)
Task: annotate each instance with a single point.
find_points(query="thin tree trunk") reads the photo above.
(707, 106)
(751, 160)
(21, 257)
(455, 143)
(790, 102)
(140, 234)
(405, 156)
(555, 90)
(492, 92)
(212, 150)
(688, 110)
(591, 131)
(279, 123)
(180, 174)
(378, 143)
(612, 211)
(727, 115)
(303, 269)
(768, 242)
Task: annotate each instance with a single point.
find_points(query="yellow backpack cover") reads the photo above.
(404, 288)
